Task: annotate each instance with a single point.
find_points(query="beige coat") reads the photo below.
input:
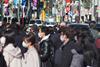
(31, 58)
(12, 56)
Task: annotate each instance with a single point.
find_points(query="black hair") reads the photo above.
(9, 40)
(30, 38)
(5, 20)
(14, 20)
(45, 30)
(69, 32)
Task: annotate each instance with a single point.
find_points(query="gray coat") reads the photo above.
(77, 60)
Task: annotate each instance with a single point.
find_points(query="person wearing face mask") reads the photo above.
(46, 47)
(31, 57)
(1, 27)
(64, 55)
(2, 60)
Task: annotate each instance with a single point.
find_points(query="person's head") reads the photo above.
(14, 20)
(9, 32)
(8, 26)
(62, 24)
(6, 40)
(29, 40)
(5, 20)
(43, 31)
(67, 34)
(92, 24)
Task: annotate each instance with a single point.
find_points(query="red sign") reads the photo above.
(68, 1)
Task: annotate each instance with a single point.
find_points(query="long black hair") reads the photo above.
(9, 40)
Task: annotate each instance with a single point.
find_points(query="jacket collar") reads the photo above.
(45, 38)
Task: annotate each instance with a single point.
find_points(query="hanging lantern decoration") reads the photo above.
(23, 2)
(35, 2)
(15, 2)
(68, 1)
(6, 1)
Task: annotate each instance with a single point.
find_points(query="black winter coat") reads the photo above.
(45, 50)
(67, 54)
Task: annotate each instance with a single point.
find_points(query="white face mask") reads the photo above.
(62, 38)
(24, 44)
(0, 23)
(0, 48)
(39, 35)
(75, 38)
(2, 40)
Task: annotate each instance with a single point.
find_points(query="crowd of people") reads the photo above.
(58, 46)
